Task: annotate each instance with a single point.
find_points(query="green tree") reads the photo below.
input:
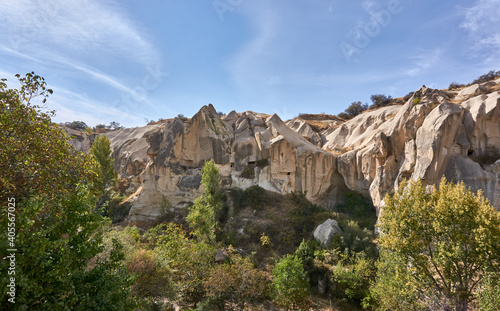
(448, 237)
(189, 260)
(76, 125)
(351, 277)
(395, 287)
(290, 283)
(380, 100)
(356, 108)
(202, 217)
(101, 150)
(57, 232)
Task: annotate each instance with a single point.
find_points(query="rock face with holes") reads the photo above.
(249, 148)
(435, 133)
(430, 136)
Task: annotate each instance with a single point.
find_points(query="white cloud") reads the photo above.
(482, 24)
(70, 106)
(423, 61)
(86, 28)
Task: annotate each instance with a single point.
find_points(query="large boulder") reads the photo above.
(325, 232)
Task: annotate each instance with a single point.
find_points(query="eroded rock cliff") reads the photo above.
(435, 133)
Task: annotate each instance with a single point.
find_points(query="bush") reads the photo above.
(379, 100)
(354, 240)
(290, 284)
(237, 282)
(153, 279)
(344, 116)
(489, 296)
(356, 108)
(248, 172)
(455, 85)
(254, 196)
(189, 260)
(492, 75)
(393, 288)
(352, 280)
(77, 125)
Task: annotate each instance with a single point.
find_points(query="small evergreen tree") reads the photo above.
(290, 283)
(202, 217)
(102, 152)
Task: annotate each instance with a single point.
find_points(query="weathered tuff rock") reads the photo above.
(428, 137)
(249, 148)
(79, 140)
(425, 138)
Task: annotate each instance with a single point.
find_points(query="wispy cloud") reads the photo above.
(52, 59)
(482, 24)
(72, 106)
(86, 28)
(424, 60)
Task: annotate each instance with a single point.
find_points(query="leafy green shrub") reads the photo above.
(290, 284)
(254, 196)
(237, 282)
(351, 278)
(189, 260)
(439, 233)
(153, 279)
(416, 101)
(205, 211)
(489, 296)
(101, 151)
(393, 288)
(354, 239)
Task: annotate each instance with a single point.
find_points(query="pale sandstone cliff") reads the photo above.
(435, 133)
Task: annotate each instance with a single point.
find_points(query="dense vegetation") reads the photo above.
(438, 250)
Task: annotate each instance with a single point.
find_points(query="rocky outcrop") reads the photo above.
(81, 141)
(429, 136)
(325, 232)
(249, 148)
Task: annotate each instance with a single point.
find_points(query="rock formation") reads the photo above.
(435, 133)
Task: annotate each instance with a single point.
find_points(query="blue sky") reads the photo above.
(127, 61)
